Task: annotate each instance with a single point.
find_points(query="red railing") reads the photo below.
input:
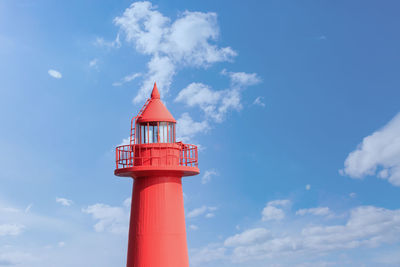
(156, 154)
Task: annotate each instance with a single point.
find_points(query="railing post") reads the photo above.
(196, 159)
(116, 158)
(186, 158)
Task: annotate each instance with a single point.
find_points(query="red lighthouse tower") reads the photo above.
(157, 234)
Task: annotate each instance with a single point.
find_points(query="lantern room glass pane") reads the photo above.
(142, 134)
(155, 137)
(150, 134)
(163, 130)
(171, 132)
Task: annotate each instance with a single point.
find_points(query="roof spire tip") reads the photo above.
(155, 94)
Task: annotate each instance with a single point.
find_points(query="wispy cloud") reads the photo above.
(319, 211)
(55, 74)
(127, 79)
(193, 227)
(203, 210)
(109, 44)
(93, 63)
(259, 101)
(208, 176)
(64, 201)
(11, 229)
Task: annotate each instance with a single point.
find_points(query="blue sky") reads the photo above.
(294, 104)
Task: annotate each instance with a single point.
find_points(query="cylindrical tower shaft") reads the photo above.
(157, 233)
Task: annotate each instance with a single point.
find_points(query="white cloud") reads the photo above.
(13, 258)
(113, 44)
(198, 94)
(255, 235)
(208, 176)
(366, 227)
(11, 229)
(109, 218)
(279, 202)
(308, 186)
(71, 228)
(242, 79)
(197, 212)
(55, 74)
(201, 211)
(185, 42)
(125, 141)
(320, 211)
(127, 79)
(186, 128)
(212, 252)
(271, 212)
(64, 201)
(93, 63)
(210, 215)
(193, 227)
(216, 104)
(28, 208)
(378, 154)
(259, 101)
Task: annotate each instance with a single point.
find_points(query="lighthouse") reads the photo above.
(157, 163)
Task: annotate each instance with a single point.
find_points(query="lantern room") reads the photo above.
(155, 124)
(153, 143)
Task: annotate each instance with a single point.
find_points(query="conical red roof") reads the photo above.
(155, 109)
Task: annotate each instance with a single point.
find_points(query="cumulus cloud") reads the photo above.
(378, 154)
(208, 176)
(209, 253)
(272, 212)
(55, 74)
(186, 128)
(365, 227)
(241, 79)
(64, 201)
(109, 218)
(214, 104)
(217, 103)
(248, 237)
(186, 42)
(61, 235)
(208, 211)
(11, 229)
